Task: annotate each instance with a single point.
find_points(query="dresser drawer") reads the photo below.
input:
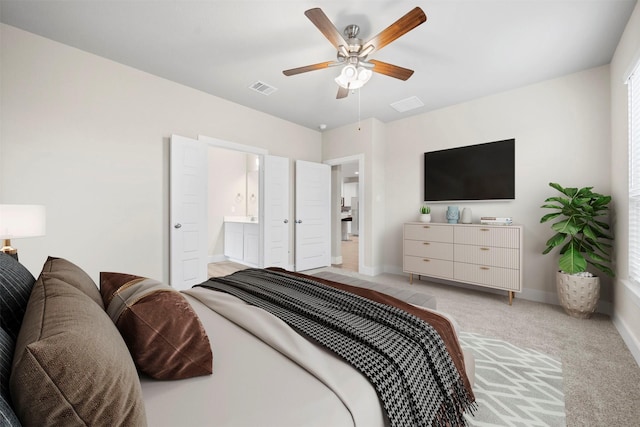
(504, 237)
(494, 277)
(430, 232)
(428, 266)
(437, 250)
(487, 255)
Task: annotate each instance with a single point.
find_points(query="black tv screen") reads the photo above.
(475, 172)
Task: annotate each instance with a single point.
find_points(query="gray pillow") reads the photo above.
(15, 287)
(61, 270)
(71, 365)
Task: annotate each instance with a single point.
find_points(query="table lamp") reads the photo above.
(18, 221)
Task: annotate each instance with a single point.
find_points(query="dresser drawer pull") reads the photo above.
(484, 249)
(484, 229)
(426, 259)
(484, 268)
(426, 243)
(426, 226)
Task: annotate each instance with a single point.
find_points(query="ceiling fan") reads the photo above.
(353, 53)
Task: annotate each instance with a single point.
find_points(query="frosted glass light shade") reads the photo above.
(18, 221)
(353, 78)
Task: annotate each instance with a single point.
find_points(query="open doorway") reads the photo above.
(349, 216)
(234, 204)
(347, 190)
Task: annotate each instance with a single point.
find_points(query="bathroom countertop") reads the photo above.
(242, 219)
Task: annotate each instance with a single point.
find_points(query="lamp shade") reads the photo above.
(18, 221)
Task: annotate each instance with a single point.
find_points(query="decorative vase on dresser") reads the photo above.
(453, 214)
(477, 254)
(465, 218)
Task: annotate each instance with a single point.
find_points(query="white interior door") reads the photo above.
(313, 215)
(187, 212)
(276, 212)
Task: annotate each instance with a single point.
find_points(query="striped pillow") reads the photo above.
(7, 417)
(15, 287)
(7, 345)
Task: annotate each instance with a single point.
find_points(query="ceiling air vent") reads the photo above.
(407, 104)
(263, 88)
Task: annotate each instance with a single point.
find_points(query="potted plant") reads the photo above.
(583, 240)
(425, 214)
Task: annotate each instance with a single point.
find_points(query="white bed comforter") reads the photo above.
(279, 380)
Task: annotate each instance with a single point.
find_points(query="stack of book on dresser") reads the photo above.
(496, 220)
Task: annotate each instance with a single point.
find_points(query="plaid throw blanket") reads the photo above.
(403, 357)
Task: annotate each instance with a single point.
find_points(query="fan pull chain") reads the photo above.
(359, 108)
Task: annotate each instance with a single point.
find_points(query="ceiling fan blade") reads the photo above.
(307, 68)
(326, 27)
(391, 70)
(342, 92)
(399, 28)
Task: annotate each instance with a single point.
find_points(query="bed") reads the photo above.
(133, 351)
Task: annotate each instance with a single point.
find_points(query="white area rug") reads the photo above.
(514, 386)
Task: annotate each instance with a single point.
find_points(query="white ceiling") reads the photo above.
(466, 49)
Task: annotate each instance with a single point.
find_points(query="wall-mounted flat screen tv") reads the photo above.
(475, 172)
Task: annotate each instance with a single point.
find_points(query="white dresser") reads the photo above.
(478, 254)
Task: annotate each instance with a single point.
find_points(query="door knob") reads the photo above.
(286, 221)
(178, 225)
(298, 221)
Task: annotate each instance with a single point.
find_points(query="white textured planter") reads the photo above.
(578, 295)
(425, 217)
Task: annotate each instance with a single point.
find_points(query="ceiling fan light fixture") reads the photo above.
(352, 77)
(349, 72)
(364, 74)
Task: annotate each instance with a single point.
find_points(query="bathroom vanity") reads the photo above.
(242, 239)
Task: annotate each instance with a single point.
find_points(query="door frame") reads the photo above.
(362, 231)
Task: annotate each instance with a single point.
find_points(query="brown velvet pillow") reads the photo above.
(163, 333)
(71, 366)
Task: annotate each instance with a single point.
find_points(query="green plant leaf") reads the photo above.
(578, 217)
(572, 261)
(605, 269)
(589, 232)
(596, 257)
(568, 226)
(556, 240)
(547, 217)
(602, 224)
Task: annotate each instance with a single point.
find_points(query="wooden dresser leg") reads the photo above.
(511, 296)
(411, 278)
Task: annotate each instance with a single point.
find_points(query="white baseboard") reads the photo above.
(632, 343)
(535, 295)
(391, 269)
(370, 271)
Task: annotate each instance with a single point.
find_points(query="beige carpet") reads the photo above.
(601, 378)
